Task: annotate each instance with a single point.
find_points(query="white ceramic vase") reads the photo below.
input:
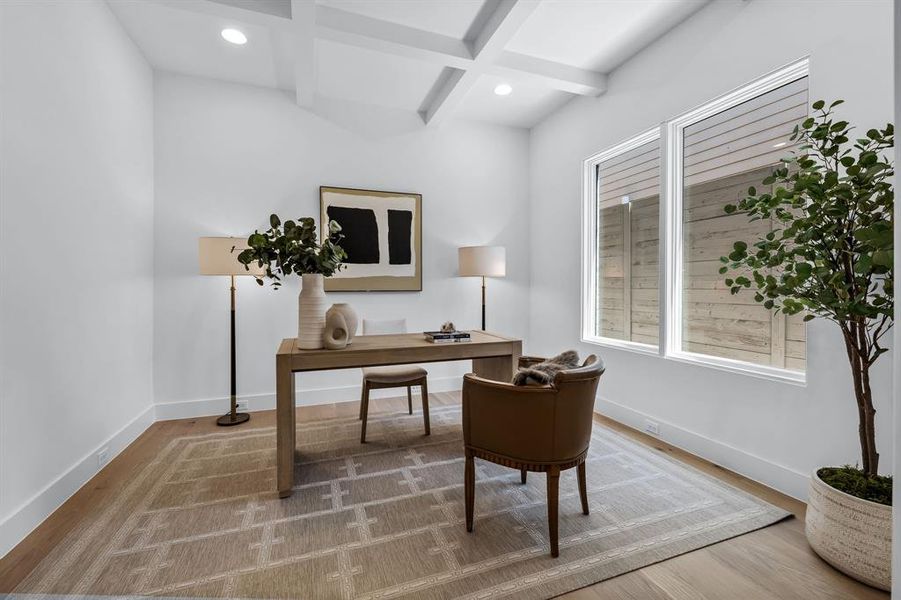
(351, 319)
(852, 534)
(311, 312)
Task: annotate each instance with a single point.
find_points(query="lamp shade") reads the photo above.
(482, 261)
(217, 258)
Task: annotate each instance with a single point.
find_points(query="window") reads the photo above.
(709, 158)
(623, 230)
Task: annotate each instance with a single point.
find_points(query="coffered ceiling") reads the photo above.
(435, 58)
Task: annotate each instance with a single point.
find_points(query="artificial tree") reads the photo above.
(294, 248)
(829, 254)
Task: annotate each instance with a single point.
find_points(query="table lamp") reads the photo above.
(217, 258)
(482, 261)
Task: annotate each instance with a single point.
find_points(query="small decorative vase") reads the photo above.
(350, 318)
(852, 534)
(336, 332)
(311, 312)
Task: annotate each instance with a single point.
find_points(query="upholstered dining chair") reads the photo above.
(543, 428)
(398, 376)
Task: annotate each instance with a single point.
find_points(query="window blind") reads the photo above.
(749, 136)
(635, 174)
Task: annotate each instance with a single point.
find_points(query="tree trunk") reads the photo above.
(860, 372)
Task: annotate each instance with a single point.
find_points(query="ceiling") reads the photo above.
(434, 58)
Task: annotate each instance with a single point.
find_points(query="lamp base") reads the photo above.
(229, 419)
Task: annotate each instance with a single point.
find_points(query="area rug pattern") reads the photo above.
(384, 519)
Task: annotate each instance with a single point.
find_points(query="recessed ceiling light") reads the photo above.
(780, 144)
(234, 36)
(503, 89)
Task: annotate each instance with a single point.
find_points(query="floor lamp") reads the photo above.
(217, 258)
(482, 261)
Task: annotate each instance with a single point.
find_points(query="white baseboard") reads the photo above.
(779, 477)
(185, 409)
(24, 519)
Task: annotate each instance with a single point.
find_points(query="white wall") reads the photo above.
(774, 432)
(228, 155)
(76, 258)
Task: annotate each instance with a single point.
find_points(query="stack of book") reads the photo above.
(446, 337)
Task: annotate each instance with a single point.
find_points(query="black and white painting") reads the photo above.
(382, 237)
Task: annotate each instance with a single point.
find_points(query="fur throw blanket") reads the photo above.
(544, 372)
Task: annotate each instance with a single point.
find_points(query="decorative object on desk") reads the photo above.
(836, 186)
(293, 248)
(543, 372)
(340, 326)
(311, 312)
(218, 256)
(446, 337)
(335, 336)
(448, 327)
(351, 319)
(482, 261)
(382, 237)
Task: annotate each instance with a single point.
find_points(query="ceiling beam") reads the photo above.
(500, 27)
(383, 36)
(480, 52)
(373, 34)
(562, 77)
(303, 21)
(491, 32)
(242, 14)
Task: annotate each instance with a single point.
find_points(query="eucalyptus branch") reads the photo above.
(293, 248)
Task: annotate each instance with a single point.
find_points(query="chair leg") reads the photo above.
(424, 390)
(522, 476)
(410, 399)
(469, 488)
(362, 398)
(553, 489)
(364, 410)
(583, 488)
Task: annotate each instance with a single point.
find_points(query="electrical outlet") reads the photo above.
(102, 457)
(652, 427)
(242, 405)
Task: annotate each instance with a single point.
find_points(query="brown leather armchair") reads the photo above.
(542, 428)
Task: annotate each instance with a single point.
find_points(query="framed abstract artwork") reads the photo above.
(382, 237)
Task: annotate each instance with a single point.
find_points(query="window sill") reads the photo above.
(627, 345)
(723, 364)
(742, 368)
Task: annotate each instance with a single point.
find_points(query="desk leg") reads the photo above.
(498, 368)
(285, 426)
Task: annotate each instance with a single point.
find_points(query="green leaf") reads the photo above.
(818, 105)
(883, 258)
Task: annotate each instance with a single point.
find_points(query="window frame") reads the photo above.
(671, 136)
(589, 242)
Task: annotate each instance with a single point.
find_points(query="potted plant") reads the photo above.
(829, 255)
(294, 248)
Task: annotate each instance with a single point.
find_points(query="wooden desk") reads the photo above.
(493, 356)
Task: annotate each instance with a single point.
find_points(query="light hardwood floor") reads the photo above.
(772, 563)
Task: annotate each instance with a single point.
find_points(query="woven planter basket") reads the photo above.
(851, 534)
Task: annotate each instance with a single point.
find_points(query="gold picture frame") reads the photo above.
(383, 239)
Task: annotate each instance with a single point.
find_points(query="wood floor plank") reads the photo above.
(775, 562)
(629, 586)
(700, 574)
(765, 557)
